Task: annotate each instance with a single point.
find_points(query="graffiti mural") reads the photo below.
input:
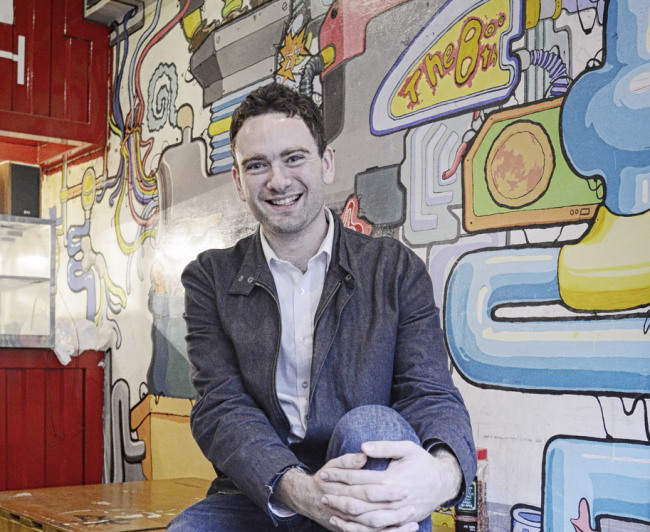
(505, 141)
(596, 339)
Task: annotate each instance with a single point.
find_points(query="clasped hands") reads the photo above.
(342, 496)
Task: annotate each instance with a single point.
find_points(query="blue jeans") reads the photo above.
(234, 512)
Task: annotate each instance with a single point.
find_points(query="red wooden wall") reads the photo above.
(50, 419)
(65, 89)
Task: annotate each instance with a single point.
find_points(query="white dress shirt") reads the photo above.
(298, 295)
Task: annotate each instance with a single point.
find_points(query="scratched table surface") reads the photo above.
(143, 505)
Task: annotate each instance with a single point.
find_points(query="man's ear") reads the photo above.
(328, 165)
(237, 179)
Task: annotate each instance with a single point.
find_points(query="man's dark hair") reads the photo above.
(276, 98)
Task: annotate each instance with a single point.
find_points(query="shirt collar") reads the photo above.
(325, 247)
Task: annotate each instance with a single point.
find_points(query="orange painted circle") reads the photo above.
(519, 165)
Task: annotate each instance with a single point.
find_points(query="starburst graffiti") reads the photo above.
(293, 50)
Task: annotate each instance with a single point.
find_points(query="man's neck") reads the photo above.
(299, 249)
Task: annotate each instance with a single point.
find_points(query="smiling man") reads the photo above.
(324, 399)
(281, 174)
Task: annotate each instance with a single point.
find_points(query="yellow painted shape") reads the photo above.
(532, 8)
(230, 6)
(88, 189)
(329, 55)
(163, 423)
(220, 126)
(609, 269)
(558, 9)
(191, 21)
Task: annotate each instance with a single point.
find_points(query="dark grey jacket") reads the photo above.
(377, 340)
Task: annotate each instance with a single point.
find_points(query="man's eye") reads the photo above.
(296, 158)
(253, 167)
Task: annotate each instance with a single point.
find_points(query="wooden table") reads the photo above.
(125, 506)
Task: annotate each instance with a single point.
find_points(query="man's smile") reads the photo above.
(290, 200)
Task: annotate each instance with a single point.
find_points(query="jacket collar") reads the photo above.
(255, 270)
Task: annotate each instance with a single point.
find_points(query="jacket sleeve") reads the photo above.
(232, 431)
(423, 391)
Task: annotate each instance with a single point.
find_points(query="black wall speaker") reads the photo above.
(20, 189)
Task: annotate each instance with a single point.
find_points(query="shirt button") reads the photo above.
(250, 279)
(305, 385)
(241, 278)
(301, 291)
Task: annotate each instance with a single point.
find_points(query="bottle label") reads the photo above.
(469, 502)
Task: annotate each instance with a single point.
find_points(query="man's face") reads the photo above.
(279, 173)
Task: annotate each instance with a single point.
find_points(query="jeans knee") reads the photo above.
(367, 413)
(376, 422)
(368, 423)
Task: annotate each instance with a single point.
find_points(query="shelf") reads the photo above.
(9, 282)
(27, 291)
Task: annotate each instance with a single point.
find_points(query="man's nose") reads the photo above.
(278, 177)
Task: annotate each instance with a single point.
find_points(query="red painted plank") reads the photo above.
(22, 26)
(94, 424)
(73, 397)
(55, 430)
(43, 57)
(7, 68)
(16, 396)
(64, 434)
(45, 358)
(54, 128)
(77, 94)
(26, 438)
(58, 46)
(16, 152)
(26, 358)
(3, 430)
(92, 42)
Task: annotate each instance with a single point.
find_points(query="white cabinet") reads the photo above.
(27, 287)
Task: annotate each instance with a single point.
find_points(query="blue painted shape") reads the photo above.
(581, 352)
(613, 477)
(78, 279)
(605, 118)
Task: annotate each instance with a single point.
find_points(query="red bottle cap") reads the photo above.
(481, 454)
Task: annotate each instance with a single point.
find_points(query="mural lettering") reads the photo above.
(476, 50)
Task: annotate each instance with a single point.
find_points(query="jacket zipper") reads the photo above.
(316, 321)
(275, 399)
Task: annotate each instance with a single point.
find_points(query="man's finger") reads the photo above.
(356, 485)
(388, 449)
(351, 477)
(351, 506)
(345, 461)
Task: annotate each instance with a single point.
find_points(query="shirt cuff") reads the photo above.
(277, 508)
